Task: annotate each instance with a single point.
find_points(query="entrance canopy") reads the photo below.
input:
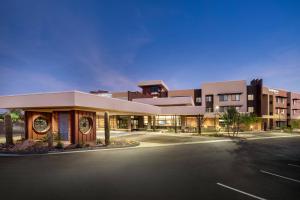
(86, 101)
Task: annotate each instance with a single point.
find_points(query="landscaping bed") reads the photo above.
(40, 147)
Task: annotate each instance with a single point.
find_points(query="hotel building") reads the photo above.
(77, 116)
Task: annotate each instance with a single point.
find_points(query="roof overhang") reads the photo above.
(76, 99)
(168, 101)
(153, 82)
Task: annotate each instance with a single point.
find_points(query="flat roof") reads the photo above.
(80, 100)
(153, 82)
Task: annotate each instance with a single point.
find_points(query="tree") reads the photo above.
(1, 116)
(295, 124)
(200, 121)
(16, 114)
(248, 119)
(106, 128)
(230, 117)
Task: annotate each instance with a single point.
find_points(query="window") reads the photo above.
(223, 97)
(154, 89)
(85, 124)
(198, 99)
(250, 97)
(209, 110)
(41, 124)
(235, 97)
(280, 100)
(280, 111)
(251, 109)
(208, 98)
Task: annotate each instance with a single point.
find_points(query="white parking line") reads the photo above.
(242, 192)
(277, 175)
(294, 165)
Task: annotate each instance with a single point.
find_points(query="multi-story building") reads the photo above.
(276, 107)
(77, 116)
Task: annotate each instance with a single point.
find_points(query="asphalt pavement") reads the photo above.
(240, 169)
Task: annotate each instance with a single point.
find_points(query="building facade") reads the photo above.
(77, 116)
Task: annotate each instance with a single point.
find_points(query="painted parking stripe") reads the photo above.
(294, 165)
(277, 175)
(242, 192)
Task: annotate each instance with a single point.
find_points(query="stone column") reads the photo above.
(154, 123)
(149, 122)
(183, 123)
(175, 123)
(129, 123)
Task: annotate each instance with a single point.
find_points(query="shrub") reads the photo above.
(79, 145)
(59, 145)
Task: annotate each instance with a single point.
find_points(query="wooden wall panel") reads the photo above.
(30, 132)
(76, 136)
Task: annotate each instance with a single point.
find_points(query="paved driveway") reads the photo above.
(260, 169)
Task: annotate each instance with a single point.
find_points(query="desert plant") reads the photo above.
(8, 129)
(59, 145)
(106, 128)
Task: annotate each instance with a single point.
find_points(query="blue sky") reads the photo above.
(62, 45)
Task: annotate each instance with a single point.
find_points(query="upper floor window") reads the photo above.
(198, 99)
(223, 97)
(280, 100)
(208, 98)
(235, 97)
(154, 89)
(280, 111)
(250, 97)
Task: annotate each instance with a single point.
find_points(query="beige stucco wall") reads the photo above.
(120, 95)
(181, 93)
(226, 87)
(166, 101)
(295, 106)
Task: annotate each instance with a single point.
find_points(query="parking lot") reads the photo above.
(237, 169)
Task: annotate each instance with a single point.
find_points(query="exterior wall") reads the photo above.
(273, 118)
(294, 108)
(255, 89)
(170, 101)
(181, 93)
(30, 133)
(229, 87)
(120, 95)
(76, 136)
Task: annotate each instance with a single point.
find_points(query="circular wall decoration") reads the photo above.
(41, 124)
(85, 124)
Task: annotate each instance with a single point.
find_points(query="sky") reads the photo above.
(85, 45)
